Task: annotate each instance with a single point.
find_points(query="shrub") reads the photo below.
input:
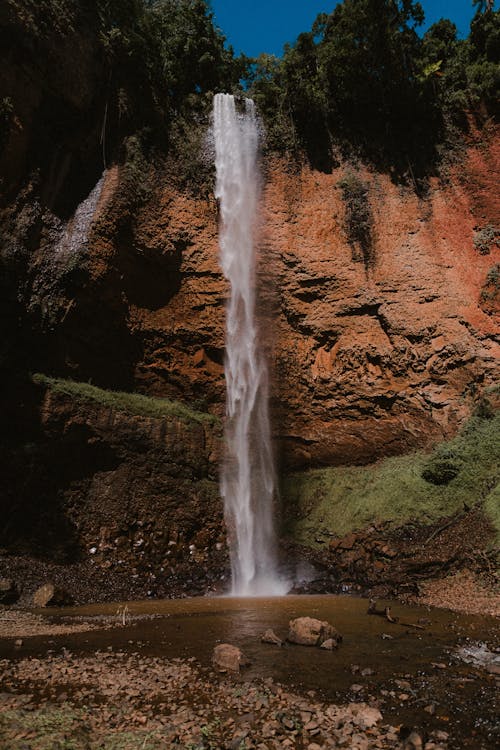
(358, 218)
(486, 237)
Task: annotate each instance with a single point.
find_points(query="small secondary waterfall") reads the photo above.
(248, 478)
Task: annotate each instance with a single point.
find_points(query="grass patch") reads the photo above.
(44, 729)
(131, 403)
(415, 487)
(492, 509)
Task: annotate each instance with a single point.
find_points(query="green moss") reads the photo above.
(492, 509)
(132, 403)
(400, 489)
(47, 728)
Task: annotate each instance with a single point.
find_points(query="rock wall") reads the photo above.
(367, 359)
(118, 496)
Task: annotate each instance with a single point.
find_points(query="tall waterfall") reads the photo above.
(248, 478)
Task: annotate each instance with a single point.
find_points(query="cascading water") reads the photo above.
(248, 478)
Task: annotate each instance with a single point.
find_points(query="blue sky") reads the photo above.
(255, 26)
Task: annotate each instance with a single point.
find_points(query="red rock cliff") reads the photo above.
(366, 360)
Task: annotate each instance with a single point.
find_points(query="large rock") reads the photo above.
(228, 658)
(8, 591)
(307, 631)
(50, 595)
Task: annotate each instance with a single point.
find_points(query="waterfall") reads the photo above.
(248, 477)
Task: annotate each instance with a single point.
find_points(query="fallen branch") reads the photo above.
(386, 612)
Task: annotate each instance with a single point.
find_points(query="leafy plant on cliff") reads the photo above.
(358, 217)
(486, 237)
(339, 500)
(491, 289)
(132, 403)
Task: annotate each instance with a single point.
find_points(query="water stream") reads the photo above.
(248, 477)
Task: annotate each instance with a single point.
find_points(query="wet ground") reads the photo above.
(412, 669)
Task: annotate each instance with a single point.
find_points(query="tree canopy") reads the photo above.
(363, 78)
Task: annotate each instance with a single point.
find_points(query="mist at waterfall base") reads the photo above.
(248, 477)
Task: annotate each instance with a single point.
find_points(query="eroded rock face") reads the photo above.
(366, 360)
(129, 496)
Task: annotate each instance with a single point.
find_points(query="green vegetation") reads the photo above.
(491, 287)
(132, 403)
(417, 487)
(358, 217)
(492, 509)
(486, 237)
(158, 60)
(68, 728)
(363, 81)
(54, 729)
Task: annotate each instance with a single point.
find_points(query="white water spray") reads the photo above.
(248, 479)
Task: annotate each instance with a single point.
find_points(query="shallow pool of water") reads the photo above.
(423, 660)
(192, 627)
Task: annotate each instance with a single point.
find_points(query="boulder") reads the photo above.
(50, 595)
(307, 631)
(270, 637)
(228, 658)
(8, 591)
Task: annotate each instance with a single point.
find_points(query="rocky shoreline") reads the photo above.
(124, 701)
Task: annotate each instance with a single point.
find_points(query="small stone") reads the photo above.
(430, 709)
(311, 726)
(413, 742)
(18, 643)
(403, 684)
(313, 746)
(367, 672)
(330, 644)
(441, 736)
(367, 717)
(270, 637)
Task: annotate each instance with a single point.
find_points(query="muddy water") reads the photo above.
(461, 695)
